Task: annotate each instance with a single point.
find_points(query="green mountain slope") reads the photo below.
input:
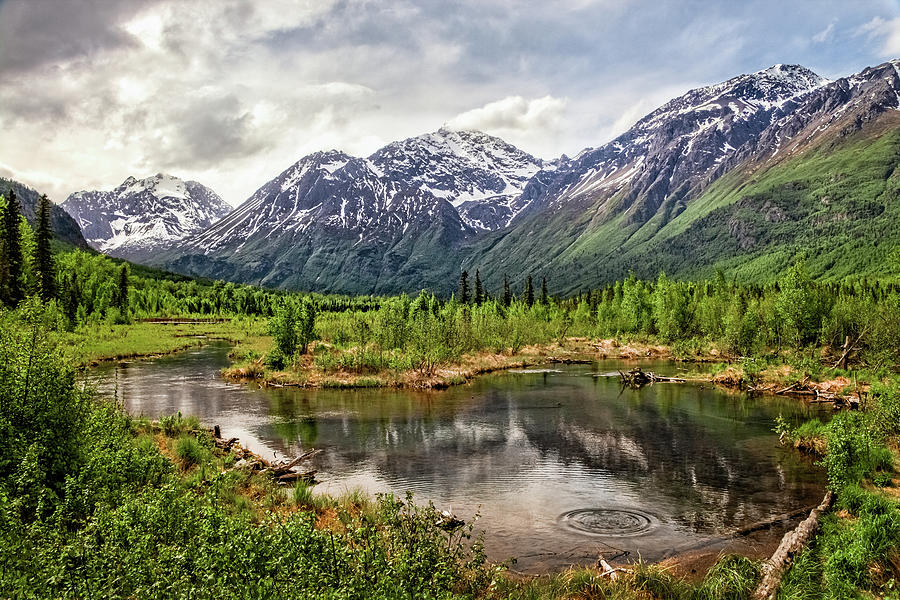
(834, 201)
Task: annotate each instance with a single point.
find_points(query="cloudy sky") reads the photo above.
(231, 92)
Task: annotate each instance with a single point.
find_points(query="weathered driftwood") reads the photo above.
(225, 444)
(293, 476)
(812, 394)
(609, 570)
(286, 467)
(282, 472)
(448, 521)
(639, 378)
(791, 544)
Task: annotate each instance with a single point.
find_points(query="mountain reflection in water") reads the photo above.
(523, 449)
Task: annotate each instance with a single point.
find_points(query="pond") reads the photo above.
(561, 463)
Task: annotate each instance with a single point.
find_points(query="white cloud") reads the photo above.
(887, 31)
(824, 35)
(513, 114)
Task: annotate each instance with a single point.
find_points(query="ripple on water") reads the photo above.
(608, 521)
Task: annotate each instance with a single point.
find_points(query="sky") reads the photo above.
(231, 92)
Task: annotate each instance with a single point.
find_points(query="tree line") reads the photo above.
(465, 296)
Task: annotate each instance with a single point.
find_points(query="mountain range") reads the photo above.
(746, 175)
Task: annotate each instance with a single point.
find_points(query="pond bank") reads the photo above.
(306, 372)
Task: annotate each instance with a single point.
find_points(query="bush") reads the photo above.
(43, 414)
(189, 450)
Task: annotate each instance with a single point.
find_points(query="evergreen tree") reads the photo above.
(71, 298)
(464, 287)
(122, 295)
(545, 299)
(43, 258)
(507, 295)
(479, 291)
(12, 285)
(529, 292)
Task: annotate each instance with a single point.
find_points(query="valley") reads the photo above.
(454, 369)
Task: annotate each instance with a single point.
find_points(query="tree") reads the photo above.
(306, 324)
(464, 287)
(479, 291)
(545, 299)
(671, 309)
(636, 306)
(71, 298)
(43, 258)
(799, 304)
(507, 295)
(122, 295)
(529, 292)
(12, 285)
(283, 329)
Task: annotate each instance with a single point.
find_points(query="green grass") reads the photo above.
(189, 450)
(98, 342)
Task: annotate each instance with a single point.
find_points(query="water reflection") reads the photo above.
(524, 447)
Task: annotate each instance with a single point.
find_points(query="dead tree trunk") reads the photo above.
(791, 544)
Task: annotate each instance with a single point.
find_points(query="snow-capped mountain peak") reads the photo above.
(479, 174)
(142, 216)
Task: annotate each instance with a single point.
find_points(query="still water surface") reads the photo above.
(561, 463)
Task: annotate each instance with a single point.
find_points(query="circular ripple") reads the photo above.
(608, 521)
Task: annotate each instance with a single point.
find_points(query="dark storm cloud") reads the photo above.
(36, 32)
(209, 131)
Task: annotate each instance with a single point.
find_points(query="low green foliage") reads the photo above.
(189, 450)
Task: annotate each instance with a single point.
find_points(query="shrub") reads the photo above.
(43, 414)
(189, 450)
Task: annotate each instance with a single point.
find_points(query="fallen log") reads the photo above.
(638, 378)
(226, 444)
(283, 468)
(791, 544)
(282, 473)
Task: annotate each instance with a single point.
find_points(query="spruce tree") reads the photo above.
(43, 258)
(12, 286)
(545, 300)
(71, 298)
(529, 292)
(507, 295)
(479, 290)
(122, 295)
(464, 287)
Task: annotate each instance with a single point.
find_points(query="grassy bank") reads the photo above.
(98, 342)
(329, 366)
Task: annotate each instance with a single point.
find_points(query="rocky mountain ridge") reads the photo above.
(415, 212)
(142, 217)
